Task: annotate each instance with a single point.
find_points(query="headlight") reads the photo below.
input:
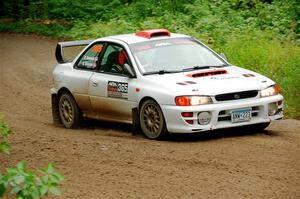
(272, 90)
(192, 100)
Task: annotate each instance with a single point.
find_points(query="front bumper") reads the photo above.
(220, 114)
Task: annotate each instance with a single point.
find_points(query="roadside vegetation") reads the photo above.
(262, 35)
(21, 182)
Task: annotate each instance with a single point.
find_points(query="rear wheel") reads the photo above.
(152, 121)
(68, 111)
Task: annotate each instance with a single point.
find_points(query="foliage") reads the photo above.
(4, 133)
(262, 35)
(27, 185)
(278, 59)
(23, 183)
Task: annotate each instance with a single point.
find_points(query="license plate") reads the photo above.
(241, 115)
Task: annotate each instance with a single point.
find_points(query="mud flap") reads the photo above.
(136, 128)
(55, 111)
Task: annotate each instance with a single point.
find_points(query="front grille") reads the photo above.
(236, 95)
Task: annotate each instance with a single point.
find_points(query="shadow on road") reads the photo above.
(214, 134)
(126, 129)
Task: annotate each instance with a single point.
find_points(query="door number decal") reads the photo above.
(117, 89)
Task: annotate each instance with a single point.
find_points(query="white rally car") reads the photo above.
(161, 82)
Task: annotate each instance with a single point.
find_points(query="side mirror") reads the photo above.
(223, 56)
(128, 70)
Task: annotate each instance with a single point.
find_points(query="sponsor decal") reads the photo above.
(223, 78)
(89, 65)
(186, 83)
(117, 89)
(248, 75)
(162, 44)
(141, 47)
(97, 49)
(90, 58)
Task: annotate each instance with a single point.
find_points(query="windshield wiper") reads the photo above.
(161, 72)
(202, 67)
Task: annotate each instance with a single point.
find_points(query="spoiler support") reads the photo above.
(59, 48)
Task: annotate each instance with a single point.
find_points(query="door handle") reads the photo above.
(94, 83)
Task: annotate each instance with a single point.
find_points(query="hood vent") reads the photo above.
(207, 73)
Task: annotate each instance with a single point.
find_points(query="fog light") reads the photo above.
(190, 121)
(204, 118)
(187, 114)
(273, 108)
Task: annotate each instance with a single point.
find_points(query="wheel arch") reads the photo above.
(63, 89)
(149, 98)
(145, 99)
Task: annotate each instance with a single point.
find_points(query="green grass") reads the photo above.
(279, 60)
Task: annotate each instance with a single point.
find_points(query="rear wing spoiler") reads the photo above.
(59, 48)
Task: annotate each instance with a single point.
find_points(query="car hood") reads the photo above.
(211, 81)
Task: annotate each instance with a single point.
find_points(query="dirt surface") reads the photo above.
(104, 160)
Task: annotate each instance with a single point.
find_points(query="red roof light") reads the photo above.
(152, 33)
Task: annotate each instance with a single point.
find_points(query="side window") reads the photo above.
(114, 59)
(90, 59)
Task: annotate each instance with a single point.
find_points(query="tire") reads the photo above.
(69, 111)
(152, 120)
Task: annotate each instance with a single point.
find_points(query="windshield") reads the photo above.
(173, 55)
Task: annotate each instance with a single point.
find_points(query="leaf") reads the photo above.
(58, 176)
(21, 166)
(2, 190)
(43, 190)
(50, 168)
(19, 196)
(16, 189)
(35, 194)
(55, 190)
(19, 179)
(4, 129)
(4, 147)
(53, 179)
(45, 179)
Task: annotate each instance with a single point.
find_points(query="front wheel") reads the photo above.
(152, 120)
(68, 111)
